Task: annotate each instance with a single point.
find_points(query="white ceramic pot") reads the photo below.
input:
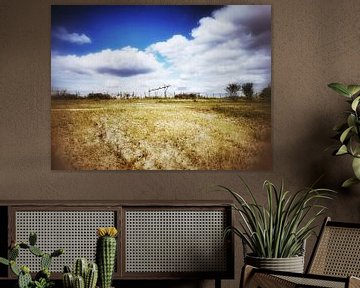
(291, 264)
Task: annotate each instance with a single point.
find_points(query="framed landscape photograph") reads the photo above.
(161, 87)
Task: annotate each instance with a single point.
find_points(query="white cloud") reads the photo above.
(62, 34)
(124, 69)
(234, 44)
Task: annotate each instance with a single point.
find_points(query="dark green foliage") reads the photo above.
(44, 273)
(24, 246)
(67, 269)
(348, 133)
(99, 96)
(105, 258)
(45, 261)
(278, 229)
(187, 96)
(32, 239)
(233, 89)
(24, 280)
(13, 253)
(248, 90)
(63, 94)
(266, 93)
(36, 251)
(57, 252)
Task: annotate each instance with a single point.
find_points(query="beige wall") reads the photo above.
(314, 42)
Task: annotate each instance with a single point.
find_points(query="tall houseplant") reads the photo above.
(279, 229)
(348, 132)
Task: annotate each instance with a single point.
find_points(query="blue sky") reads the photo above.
(119, 26)
(133, 48)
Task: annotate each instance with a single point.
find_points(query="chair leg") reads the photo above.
(354, 282)
(246, 274)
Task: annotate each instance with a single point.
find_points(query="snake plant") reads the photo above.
(279, 228)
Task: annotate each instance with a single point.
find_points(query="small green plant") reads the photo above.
(42, 278)
(85, 275)
(348, 132)
(279, 229)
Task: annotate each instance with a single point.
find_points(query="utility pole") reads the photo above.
(165, 87)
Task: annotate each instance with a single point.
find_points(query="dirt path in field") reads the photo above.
(159, 136)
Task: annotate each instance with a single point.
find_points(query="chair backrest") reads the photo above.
(337, 251)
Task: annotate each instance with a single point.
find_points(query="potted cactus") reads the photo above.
(85, 275)
(106, 254)
(42, 278)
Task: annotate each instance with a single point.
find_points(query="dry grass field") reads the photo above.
(160, 134)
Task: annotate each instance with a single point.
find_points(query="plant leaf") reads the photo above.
(353, 89)
(340, 88)
(342, 150)
(345, 134)
(351, 120)
(349, 182)
(355, 103)
(356, 167)
(4, 261)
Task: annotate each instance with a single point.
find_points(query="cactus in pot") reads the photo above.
(68, 278)
(79, 282)
(42, 278)
(80, 268)
(91, 276)
(85, 275)
(106, 254)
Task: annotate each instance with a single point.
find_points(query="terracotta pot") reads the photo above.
(291, 264)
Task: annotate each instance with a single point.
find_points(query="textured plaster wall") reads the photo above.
(314, 42)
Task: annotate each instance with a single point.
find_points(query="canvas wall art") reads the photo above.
(160, 87)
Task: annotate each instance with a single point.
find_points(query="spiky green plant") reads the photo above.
(348, 133)
(80, 267)
(85, 274)
(279, 229)
(91, 275)
(79, 282)
(106, 254)
(42, 278)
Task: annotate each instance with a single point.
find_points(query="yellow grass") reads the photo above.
(160, 134)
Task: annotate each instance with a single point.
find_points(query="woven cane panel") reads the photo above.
(74, 231)
(175, 241)
(306, 282)
(338, 253)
